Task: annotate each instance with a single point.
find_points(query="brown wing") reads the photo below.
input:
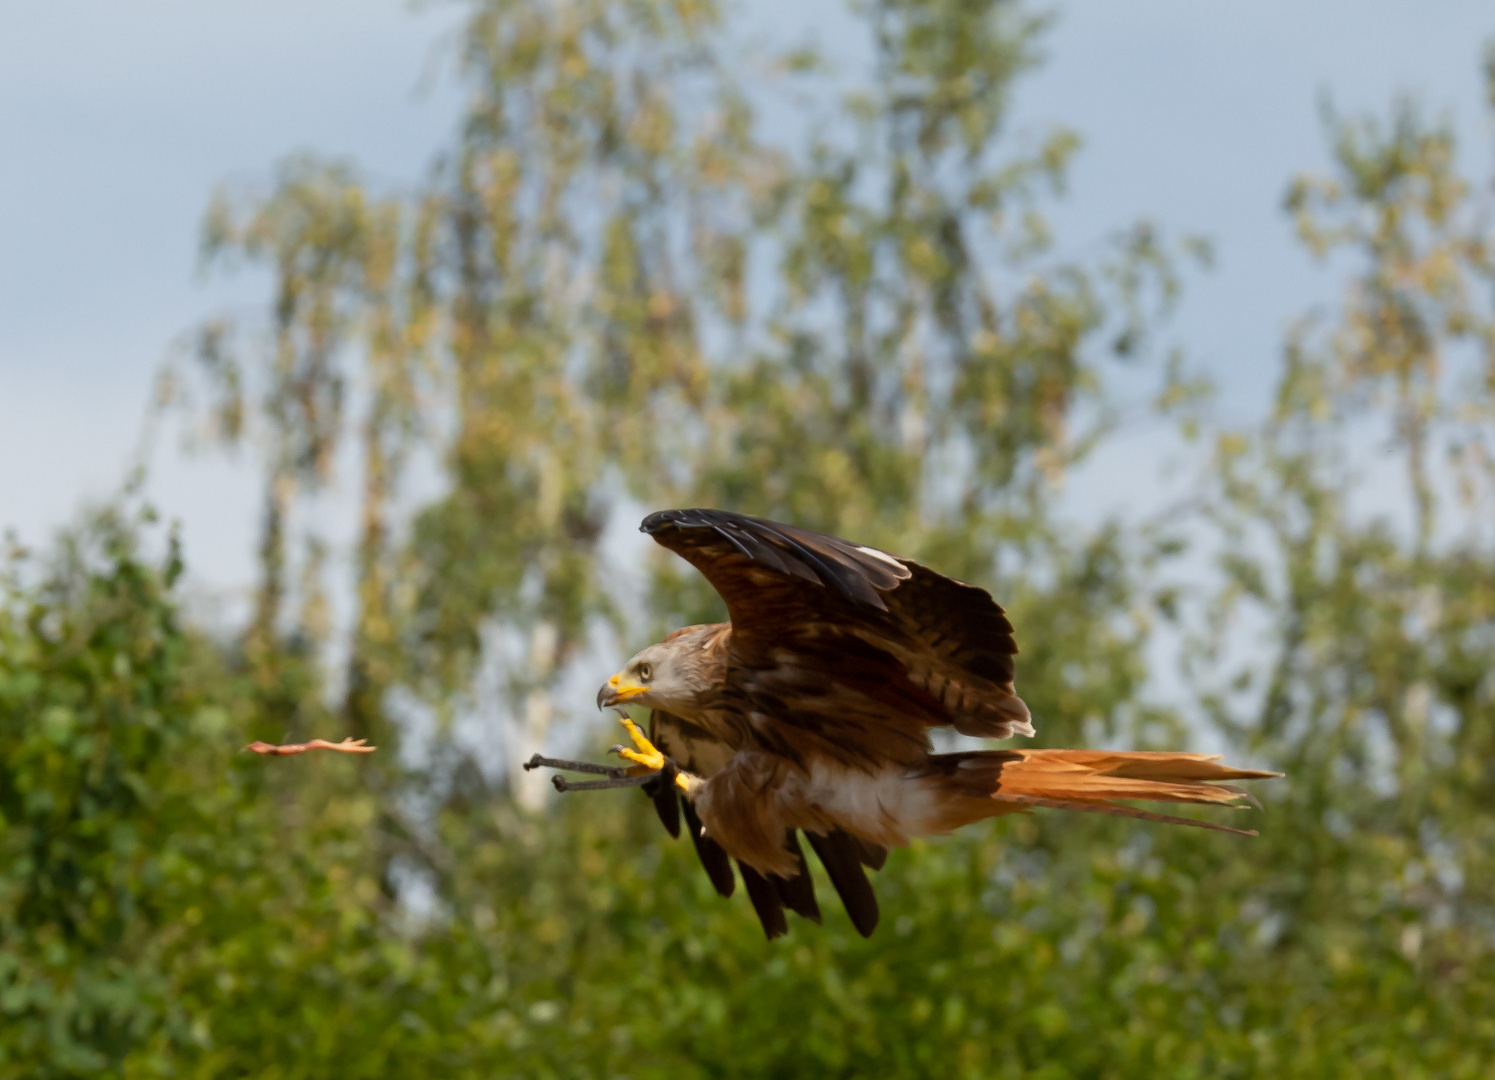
(846, 650)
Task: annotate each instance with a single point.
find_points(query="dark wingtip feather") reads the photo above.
(857, 573)
(798, 892)
(661, 791)
(713, 859)
(660, 518)
(766, 901)
(841, 854)
(871, 855)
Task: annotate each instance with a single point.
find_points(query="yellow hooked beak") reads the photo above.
(617, 690)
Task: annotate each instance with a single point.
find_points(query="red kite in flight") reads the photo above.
(810, 711)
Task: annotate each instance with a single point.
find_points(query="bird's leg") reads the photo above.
(645, 754)
(648, 759)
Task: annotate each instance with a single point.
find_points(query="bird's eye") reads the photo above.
(645, 672)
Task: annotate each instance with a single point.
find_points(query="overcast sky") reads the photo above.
(118, 117)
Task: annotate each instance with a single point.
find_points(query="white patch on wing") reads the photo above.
(883, 555)
(886, 807)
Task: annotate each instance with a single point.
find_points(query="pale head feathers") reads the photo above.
(672, 674)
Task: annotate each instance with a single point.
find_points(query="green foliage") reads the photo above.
(101, 732)
(616, 287)
(172, 910)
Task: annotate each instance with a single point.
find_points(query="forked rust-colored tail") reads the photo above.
(1094, 781)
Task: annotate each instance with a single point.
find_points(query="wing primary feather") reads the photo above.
(766, 901)
(840, 853)
(872, 856)
(766, 554)
(798, 892)
(843, 578)
(661, 789)
(666, 799)
(738, 544)
(713, 859)
(855, 572)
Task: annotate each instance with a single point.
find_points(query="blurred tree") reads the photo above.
(615, 288)
(1374, 691)
(347, 267)
(91, 716)
(585, 209)
(629, 292)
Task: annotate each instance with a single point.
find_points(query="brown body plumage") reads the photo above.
(810, 711)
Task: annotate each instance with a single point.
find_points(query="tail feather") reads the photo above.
(1119, 810)
(1094, 781)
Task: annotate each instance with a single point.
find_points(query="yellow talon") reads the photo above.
(647, 754)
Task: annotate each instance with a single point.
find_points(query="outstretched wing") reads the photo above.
(844, 649)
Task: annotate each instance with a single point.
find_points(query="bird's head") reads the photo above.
(670, 675)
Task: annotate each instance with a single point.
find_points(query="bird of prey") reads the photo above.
(810, 712)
